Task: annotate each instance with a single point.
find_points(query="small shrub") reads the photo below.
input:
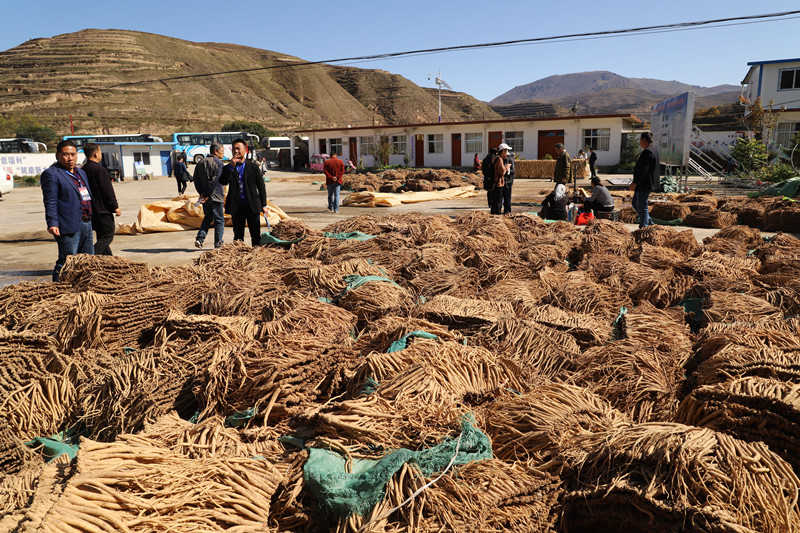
(547, 156)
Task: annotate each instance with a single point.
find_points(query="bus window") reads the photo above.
(197, 139)
(184, 139)
(225, 139)
(208, 139)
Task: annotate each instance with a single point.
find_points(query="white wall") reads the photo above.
(128, 170)
(26, 164)
(573, 139)
(769, 86)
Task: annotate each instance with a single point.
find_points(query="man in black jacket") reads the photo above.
(104, 201)
(247, 195)
(511, 165)
(646, 178)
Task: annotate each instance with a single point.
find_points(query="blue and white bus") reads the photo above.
(81, 140)
(196, 145)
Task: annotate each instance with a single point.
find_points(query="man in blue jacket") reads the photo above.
(67, 205)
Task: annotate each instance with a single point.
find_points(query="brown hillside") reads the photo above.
(82, 74)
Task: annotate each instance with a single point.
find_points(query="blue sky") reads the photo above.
(328, 30)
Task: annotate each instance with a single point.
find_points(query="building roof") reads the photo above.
(796, 59)
(630, 118)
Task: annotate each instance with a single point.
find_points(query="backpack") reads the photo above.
(201, 181)
(488, 172)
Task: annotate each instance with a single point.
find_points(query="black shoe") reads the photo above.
(198, 243)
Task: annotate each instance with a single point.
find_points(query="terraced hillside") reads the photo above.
(97, 77)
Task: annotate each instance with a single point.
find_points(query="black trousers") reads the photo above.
(594, 172)
(496, 201)
(246, 215)
(597, 206)
(104, 228)
(181, 185)
(507, 198)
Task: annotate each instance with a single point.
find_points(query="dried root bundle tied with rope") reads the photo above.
(749, 236)
(782, 218)
(733, 307)
(538, 350)
(372, 425)
(17, 300)
(491, 496)
(319, 279)
(716, 336)
(102, 273)
(459, 312)
(138, 388)
(293, 314)
(290, 229)
(380, 334)
(437, 371)
(577, 292)
(734, 362)
(126, 488)
(376, 298)
(669, 210)
(763, 411)
(458, 281)
(230, 329)
(670, 477)
(210, 437)
(538, 423)
(710, 219)
(586, 329)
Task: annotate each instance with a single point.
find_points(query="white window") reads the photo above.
(474, 143)
(399, 144)
(141, 157)
(436, 143)
(788, 79)
(786, 132)
(367, 146)
(599, 139)
(514, 140)
(336, 146)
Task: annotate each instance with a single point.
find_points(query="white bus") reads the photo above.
(196, 145)
(81, 140)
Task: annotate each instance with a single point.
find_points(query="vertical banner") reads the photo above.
(671, 125)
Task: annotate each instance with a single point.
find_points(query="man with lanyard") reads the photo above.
(247, 195)
(67, 205)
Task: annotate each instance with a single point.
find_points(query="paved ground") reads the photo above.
(28, 252)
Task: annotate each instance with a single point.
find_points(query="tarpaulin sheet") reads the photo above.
(180, 214)
(388, 199)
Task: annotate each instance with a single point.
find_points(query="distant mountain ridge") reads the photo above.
(564, 86)
(99, 80)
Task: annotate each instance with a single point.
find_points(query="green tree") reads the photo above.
(628, 152)
(762, 121)
(250, 127)
(752, 154)
(38, 133)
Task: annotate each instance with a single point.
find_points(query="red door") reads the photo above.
(419, 151)
(456, 138)
(548, 140)
(322, 147)
(495, 139)
(354, 150)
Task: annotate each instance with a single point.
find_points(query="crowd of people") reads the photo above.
(80, 200)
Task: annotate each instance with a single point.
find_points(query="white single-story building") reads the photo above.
(776, 81)
(153, 158)
(454, 144)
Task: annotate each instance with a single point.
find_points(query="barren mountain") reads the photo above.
(569, 86)
(120, 81)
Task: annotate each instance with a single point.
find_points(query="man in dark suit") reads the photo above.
(563, 170)
(247, 195)
(104, 201)
(67, 205)
(646, 178)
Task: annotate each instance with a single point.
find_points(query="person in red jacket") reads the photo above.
(334, 173)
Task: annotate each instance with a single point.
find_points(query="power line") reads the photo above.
(643, 30)
(391, 55)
